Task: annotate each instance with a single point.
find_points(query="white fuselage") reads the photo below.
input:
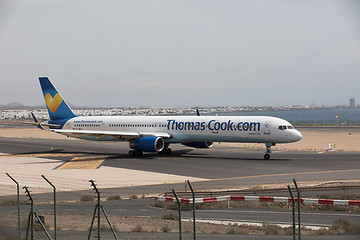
(184, 129)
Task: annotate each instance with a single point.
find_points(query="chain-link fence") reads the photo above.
(252, 216)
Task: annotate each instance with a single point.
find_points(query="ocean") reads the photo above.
(346, 116)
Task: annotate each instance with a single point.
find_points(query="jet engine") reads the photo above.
(148, 144)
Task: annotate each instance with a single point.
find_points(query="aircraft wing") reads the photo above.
(99, 135)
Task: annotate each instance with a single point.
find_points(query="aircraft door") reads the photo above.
(267, 128)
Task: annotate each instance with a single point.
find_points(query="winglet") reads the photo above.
(38, 124)
(197, 112)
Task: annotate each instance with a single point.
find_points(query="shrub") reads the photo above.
(165, 229)
(138, 228)
(87, 198)
(236, 230)
(114, 198)
(170, 216)
(344, 225)
(133, 197)
(271, 230)
(104, 227)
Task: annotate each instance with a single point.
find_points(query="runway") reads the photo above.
(218, 168)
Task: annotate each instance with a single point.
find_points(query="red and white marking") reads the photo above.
(261, 199)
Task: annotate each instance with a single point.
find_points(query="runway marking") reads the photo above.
(41, 155)
(75, 163)
(83, 163)
(280, 174)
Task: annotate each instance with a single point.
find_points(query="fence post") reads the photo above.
(194, 218)
(31, 215)
(31, 218)
(293, 210)
(54, 203)
(18, 202)
(179, 205)
(299, 202)
(99, 207)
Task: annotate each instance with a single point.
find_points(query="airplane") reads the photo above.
(156, 133)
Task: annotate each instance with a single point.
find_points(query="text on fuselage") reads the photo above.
(213, 125)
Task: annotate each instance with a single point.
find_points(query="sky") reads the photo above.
(118, 53)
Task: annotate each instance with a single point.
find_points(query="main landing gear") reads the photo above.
(268, 150)
(136, 153)
(165, 151)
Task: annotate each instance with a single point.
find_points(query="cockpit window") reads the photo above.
(284, 127)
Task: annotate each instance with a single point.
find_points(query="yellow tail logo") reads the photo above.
(53, 102)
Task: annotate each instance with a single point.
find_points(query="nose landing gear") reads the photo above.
(268, 150)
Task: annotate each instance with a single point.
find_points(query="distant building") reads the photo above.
(352, 102)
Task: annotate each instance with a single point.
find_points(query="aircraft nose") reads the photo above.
(297, 136)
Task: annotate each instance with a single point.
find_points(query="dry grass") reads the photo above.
(87, 198)
(14, 202)
(114, 198)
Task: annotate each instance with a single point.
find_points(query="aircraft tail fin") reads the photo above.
(57, 107)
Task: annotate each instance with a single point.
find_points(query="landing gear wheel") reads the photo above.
(135, 153)
(268, 150)
(131, 153)
(166, 151)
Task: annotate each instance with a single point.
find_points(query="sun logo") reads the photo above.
(53, 102)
